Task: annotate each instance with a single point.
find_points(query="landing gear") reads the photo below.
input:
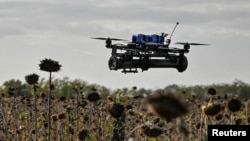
(130, 70)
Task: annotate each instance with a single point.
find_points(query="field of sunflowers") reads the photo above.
(63, 110)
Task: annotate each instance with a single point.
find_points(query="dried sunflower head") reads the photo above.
(212, 110)
(93, 96)
(45, 124)
(116, 110)
(85, 118)
(83, 134)
(61, 115)
(42, 95)
(219, 117)
(234, 104)
(211, 91)
(151, 131)
(49, 65)
(32, 78)
(54, 117)
(167, 106)
(63, 98)
(109, 98)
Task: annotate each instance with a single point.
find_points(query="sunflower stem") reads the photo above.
(49, 102)
(133, 131)
(118, 132)
(77, 110)
(34, 87)
(247, 114)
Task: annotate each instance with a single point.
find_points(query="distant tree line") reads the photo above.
(62, 87)
(68, 88)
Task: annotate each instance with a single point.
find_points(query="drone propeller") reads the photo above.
(186, 43)
(113, 39)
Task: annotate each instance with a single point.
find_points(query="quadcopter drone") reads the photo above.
(147, 51)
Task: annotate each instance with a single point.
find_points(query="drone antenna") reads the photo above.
(173, 30)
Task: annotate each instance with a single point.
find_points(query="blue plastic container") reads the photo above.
(141, 38)
(134, 38)
(161, 39)
(157, 39)
(147, 38)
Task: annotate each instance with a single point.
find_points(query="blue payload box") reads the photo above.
(147, 38)
(161, 39)
(134, 38)
(140, 38)
(157, 39)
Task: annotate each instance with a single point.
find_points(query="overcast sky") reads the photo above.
(32, 30)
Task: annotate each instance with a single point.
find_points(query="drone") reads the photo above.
(147, 51)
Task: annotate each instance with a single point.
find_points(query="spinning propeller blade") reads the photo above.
(184, 43)
(197, 44)
(113, 39)
(99, 38)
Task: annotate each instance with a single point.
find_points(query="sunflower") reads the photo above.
(49, 65)
(212, 110)
(211, 91)
(83, 134)
(151, 131)
(234, 104)
(116, 110)
(166, 106)
(61, 115)
(93, 96)
(32, 79)
(54, 117)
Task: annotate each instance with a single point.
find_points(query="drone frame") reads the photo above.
(145, 55)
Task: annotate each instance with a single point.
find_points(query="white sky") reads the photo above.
(32, 30)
